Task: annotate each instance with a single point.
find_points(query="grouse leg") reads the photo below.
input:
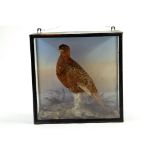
(77, 102)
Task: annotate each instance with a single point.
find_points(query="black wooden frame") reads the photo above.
(50, 35)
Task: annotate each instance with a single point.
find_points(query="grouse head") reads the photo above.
(64, 51)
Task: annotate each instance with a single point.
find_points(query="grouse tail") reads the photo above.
(97, 98)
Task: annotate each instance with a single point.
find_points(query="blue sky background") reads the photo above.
(97, 55)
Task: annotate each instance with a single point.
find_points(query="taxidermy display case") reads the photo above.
(77, 77)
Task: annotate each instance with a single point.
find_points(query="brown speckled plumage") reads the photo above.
(72, 75)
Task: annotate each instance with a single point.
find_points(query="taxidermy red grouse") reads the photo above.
(73, 76)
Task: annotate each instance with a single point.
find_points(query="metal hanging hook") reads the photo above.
(112, 28)
(39, 30)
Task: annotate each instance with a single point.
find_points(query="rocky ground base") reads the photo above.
(60, 105)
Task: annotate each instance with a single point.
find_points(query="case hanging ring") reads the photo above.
(112, 28)
(39, 30)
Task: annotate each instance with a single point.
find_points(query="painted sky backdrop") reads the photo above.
(97, 55)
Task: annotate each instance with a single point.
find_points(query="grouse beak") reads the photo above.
(60, 50)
